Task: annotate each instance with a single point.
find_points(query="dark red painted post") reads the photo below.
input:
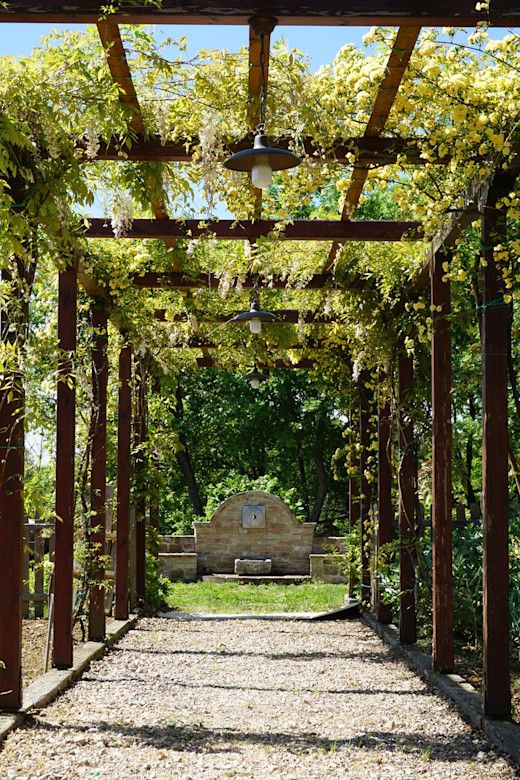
(442, 576)
(12, 404)
(495, 316)
(65, 472)
(364, 439)
(124, 433)
(407, 611)
(384, 491)
(140, 475)
(96, 617)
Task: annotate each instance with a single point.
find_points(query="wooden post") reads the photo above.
(495, 320)
(364, 438)
(96, 617)
(384, 490)
(124, 433)
(12, 404)
(407, 611)
(65, 469)
(140, 475)
(442, 576)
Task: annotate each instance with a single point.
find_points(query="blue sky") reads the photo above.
(320, 44)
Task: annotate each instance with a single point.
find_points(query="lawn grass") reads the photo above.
(232, 597)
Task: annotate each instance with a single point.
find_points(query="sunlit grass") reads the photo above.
(232, 597)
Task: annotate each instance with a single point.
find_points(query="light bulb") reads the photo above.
(255, 383)
(255, 325)
(262, 174)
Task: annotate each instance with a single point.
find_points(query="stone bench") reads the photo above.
(247, 567)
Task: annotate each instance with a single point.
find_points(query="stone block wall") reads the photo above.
(178, 544)
(178, 566)
(282, 538)
(327, 568)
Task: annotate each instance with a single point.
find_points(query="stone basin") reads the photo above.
(245, 566)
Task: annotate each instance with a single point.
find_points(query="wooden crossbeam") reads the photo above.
(259, 52)
(120, 72)
(369, 151)
(283, 317)
(328, 13)
(472, 208)
(172, 280)
(200, 342)
(242, 230)
(209, 361)
(404, 43)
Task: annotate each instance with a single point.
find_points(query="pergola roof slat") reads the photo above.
(242, 230)
(173, 280)
(330, 13)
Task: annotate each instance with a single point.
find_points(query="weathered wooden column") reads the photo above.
(124, 434)
(364, 504)
(65, 469)
(407, 610)
(494, 339)
(140, 435)
(96, 617)
(384, 490)
(442, 576)
(11, 523)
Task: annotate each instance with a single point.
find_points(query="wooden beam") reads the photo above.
(124, 434)
(12, 403)
(65, 469)
(442, 576)
(404, 43)
(474, 200)
(495, 318)
(96, 616)
(259, 51)
(121, 75)
(365, 497)
(374, 151)
(245, 230)
(140, 463)
(407, 610)
(209, 361)
(384, 492)
(283, 317)
(327, 13)
(176, 281)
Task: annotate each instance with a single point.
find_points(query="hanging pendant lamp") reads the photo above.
(255, 316)
(262, 159)
(255, 378)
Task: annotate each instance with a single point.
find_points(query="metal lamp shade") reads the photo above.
(254, 314)
(255, 378)
(278, 159)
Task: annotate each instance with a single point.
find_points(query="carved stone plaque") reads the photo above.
(253, 516)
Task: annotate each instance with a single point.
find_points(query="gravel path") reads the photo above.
(249, 700)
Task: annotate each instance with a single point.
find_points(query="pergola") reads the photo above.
(372, 148)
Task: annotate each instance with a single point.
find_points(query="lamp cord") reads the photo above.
(261, 126)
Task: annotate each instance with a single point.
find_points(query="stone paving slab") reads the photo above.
(242, 699)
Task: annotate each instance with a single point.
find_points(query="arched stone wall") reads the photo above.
(231, 534)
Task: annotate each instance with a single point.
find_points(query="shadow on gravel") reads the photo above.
(368, 656)
(197, 738)
(333, 691)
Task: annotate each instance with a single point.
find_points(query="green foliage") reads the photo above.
(239, 483)
(156, 586)
(467, 582)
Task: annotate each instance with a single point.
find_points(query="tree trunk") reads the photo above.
(184, 460)
(321, 471)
